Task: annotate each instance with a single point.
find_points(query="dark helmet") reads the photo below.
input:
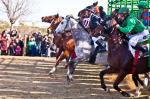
(100, 8)
(124, 10)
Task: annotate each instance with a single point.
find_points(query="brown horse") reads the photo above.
(54, 21)
(79, 37)
(121, 60)
(119, 57)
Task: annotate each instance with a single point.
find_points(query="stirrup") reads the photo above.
(145, 54)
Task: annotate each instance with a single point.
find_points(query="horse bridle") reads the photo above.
(66, 26)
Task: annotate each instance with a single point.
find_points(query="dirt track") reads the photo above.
(27, 78)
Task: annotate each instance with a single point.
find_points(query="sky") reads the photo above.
(39, 8)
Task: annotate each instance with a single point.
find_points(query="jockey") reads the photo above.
(131, 25)
(102, 14)
(143, 6)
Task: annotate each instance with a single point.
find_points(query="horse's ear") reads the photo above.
(42, 18)
(57, 15)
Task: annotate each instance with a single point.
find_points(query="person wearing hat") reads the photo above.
(143, 7)
(102, 14)
(133, 27)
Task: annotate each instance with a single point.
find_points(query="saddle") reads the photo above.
(67, 35)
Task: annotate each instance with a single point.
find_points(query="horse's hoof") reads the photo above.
(146, 82)
(69, 79)
(137, 94)
(125, 94)
(52, 71)
(107, 90)
(104, 87)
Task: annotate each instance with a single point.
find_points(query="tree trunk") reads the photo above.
(11, 26)
(25, 45)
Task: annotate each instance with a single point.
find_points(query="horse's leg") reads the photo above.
(119, 78)
(101, 76)
(67, 62)
(146, 79)
(61, 57)
(136, 79)
(71, 69)
(58, 53)
(69, 74)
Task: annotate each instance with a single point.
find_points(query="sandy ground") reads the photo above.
(27, 78)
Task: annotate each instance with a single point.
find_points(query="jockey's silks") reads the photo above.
(131, 23)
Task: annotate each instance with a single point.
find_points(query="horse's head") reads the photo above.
(54, 21)
(67, 24)
(50, 18)
(84, 13)
(47, 19)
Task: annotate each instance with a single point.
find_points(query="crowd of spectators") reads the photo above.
(14, 44)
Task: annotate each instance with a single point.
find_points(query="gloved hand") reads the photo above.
(117, 26)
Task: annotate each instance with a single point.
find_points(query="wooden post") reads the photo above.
(25, 45)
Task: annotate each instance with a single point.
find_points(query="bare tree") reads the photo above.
(15, 9)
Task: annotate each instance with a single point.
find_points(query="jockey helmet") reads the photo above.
(100, 8)
(123, 10)
(143, 5)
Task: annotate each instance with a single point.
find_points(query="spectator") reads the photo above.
(19, 46)
(13, 34)
(3, 40)
(32, 47)
(18, 51)
(11, 48)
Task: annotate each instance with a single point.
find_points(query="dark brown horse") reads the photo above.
(119, 57)
(121, 60)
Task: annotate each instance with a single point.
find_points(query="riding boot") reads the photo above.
(138, 47)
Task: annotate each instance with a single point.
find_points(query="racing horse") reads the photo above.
(54, 21)
(106, 27)
(80, 43)
(121, 60)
